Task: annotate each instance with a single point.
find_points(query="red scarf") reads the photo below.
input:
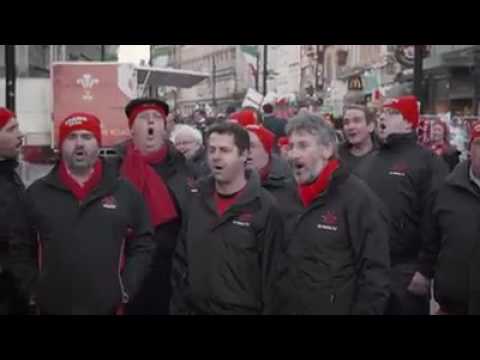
(310, 192)
(137, 169)
(78, 190)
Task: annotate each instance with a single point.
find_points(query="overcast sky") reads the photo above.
(133, 53)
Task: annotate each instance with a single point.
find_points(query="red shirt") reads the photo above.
(225, 202)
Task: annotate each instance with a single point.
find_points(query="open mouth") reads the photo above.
(150, 131)
(218, 168)
(298, 167)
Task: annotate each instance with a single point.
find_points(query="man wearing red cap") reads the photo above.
(13, 216)
(405, 176)
(336, 251)
(151, 162)
(454, 234)
(224, 260)
(93, 230)
(275, 175)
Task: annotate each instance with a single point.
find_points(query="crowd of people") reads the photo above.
(245, 213)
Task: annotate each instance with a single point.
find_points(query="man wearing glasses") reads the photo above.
(405, 176)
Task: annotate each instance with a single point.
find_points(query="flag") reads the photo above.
(250, 54)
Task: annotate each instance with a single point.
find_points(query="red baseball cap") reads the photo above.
(407, 106)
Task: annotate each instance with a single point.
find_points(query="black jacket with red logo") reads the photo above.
(453, 229)
(83, 246)
(405, 176)
(337, 259)
(223, 264)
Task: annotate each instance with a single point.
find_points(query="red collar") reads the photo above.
(81, 191)
(223, 203)
(308, 193)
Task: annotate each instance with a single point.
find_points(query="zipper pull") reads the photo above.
(332, 298)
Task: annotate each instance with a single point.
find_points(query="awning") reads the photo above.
(157, 77)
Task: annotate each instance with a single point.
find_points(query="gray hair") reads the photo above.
(316, 126)
(182, 128)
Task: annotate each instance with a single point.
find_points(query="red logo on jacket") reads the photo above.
(330, 221)
(399, 169)
(109, 202)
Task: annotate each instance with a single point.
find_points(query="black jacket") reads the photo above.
(352, 161)
(223, 265)
(454, 239)
(337, 260)
(82, 245)
(178, 178)
(14, 229)
(405, 176)
(13, 211)
(281, 184)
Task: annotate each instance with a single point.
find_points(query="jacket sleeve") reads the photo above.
(272, 238)
(368, 228)
(179, 280)
(139, 246)
(438, 171)
(24, 251)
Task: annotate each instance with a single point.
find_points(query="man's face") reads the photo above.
(258, 157)
(10, 140)
(307, 157)
(186, 144)
(148, 131)
(80, 150)
(391, 122)
(355, 127)
(438, 133)
(224, 159)
(475, 157)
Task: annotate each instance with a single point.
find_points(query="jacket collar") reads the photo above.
(249, 194)
(460, 177)
(106, 186)
(8, 166)
(400, 140)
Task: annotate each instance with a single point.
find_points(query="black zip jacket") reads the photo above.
(223, 265)
(14, 227)
(453, 233)
(83, 245)
(405, 176)
(337, 259)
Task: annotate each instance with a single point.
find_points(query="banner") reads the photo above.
(253, 99)
(250, 54)
(101, 89)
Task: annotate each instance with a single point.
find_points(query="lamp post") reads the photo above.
(10, 76)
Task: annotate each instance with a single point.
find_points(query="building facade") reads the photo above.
(228, 84)
(452, 79)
